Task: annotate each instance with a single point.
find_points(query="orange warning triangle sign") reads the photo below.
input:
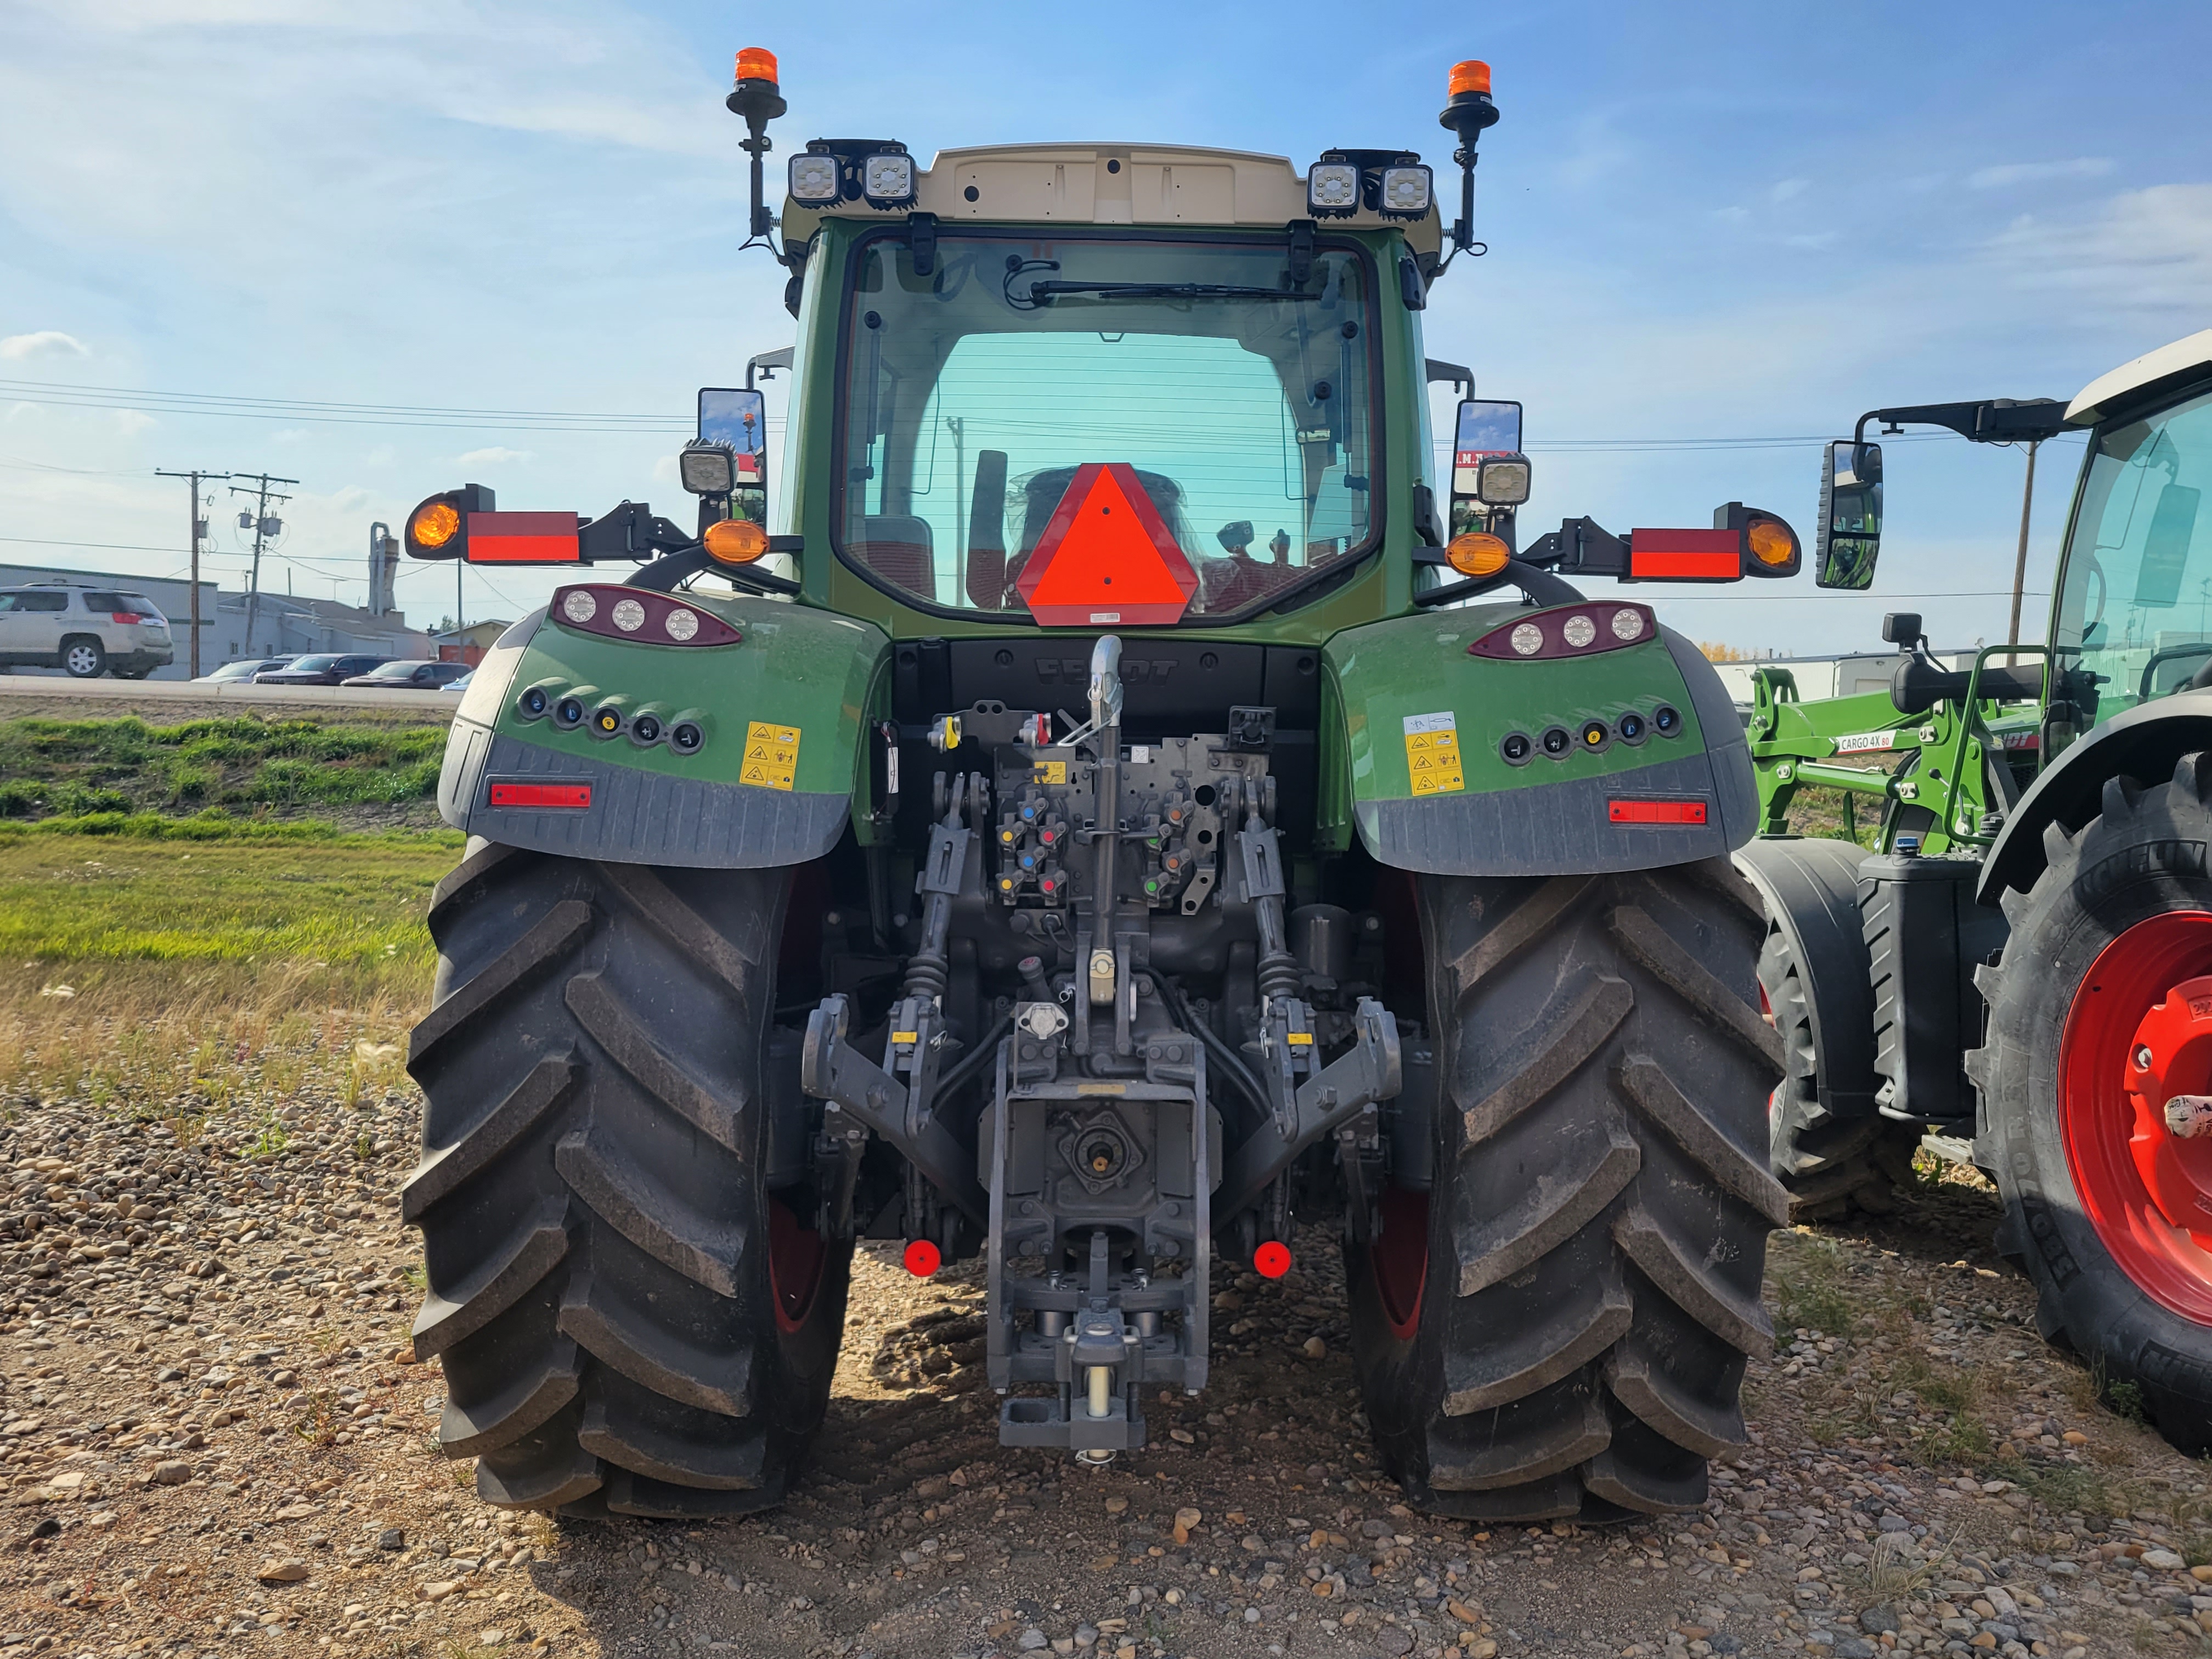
(1106, 558)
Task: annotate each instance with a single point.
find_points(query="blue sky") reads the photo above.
(1716, 222)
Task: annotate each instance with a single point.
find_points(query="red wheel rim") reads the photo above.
(2140, 1033)
(1400, 1259)
(1766, 1013)
(795, 1254)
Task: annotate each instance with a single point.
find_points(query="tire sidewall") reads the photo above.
(2119, 876)
(84, 643)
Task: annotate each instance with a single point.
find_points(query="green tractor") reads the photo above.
(1090, 815)
(2023, 966)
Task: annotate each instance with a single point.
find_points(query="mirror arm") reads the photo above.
(1539, 587)
(1580, 546)
(1988, 421)
(663, 575)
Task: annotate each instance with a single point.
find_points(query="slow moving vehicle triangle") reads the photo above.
(1106, 558)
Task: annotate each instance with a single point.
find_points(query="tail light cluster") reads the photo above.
(1575, 630)
(637, 614)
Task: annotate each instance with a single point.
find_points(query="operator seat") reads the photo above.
(897, 547)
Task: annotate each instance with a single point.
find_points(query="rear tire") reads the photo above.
(2113, 946)
(83, 658)
(1558, 1328)
(627, 1318)
(1831, 1166)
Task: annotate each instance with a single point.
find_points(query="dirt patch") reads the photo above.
(214, 1442)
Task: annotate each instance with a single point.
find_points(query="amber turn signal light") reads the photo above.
(1772, 542)
(434, 524)
(1478, 553)
(735, 541)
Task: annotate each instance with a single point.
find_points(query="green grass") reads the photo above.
(205, 975)
(321, 899)
(56, 767)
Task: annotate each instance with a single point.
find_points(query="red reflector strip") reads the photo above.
(523, 539)
(541, 794)
(1656, 811)
(1692, 556)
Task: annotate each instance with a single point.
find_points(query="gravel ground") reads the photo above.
(215, 1441)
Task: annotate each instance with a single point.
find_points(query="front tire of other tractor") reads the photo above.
(1831, 1166)
(1558, 1328)
(628, 1319)
(2095, 1050)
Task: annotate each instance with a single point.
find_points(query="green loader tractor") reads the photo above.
(1089, 816)
(2023, 967)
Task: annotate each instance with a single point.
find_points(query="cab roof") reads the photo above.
(1110, 183)
(2185, 357)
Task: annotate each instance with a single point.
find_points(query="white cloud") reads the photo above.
(2145, 249)
(46, 342)
(2031, 172)
(497, 455)
(1789, 187)
(131, 421)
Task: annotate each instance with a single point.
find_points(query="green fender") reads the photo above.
(1402, 698)
(781, 711)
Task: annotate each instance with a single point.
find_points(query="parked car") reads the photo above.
(322, 669)
(412, 674)
(84, 631)
(461, 684)
(245, 669)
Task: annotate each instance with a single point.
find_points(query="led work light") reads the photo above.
(1333, 190)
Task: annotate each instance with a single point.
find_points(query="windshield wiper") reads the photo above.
(1045, 293)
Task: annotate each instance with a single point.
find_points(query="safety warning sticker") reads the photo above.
(1432, 754)
(771, 756)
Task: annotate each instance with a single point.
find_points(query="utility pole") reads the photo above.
(2019, 563)
(262, 481)
(198, 533)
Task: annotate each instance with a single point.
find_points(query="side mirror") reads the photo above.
(735, 421)
(1849, 539)
(1490, 475)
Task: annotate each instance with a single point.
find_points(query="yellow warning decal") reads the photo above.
(1299, 1039)
(905, 1036)
(771, 756)
(1432, 754)
(1052, 771)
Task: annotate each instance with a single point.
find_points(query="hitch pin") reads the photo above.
(1102, 1383)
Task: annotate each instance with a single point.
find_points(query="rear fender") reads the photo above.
(2144, 744)
(1811, 889)
(772, 782)
(1399, 681)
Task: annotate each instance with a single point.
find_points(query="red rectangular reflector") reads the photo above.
(1686, 556)
(541, 794)
(1656, 811)
(523, 539)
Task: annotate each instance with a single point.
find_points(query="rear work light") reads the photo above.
(1333, 190)
(1648, 811)
(636, 614)
(569, 795)
(1407, 191)
(1575, 630)
(814, 178)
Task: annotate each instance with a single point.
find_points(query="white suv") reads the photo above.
(86, 631)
